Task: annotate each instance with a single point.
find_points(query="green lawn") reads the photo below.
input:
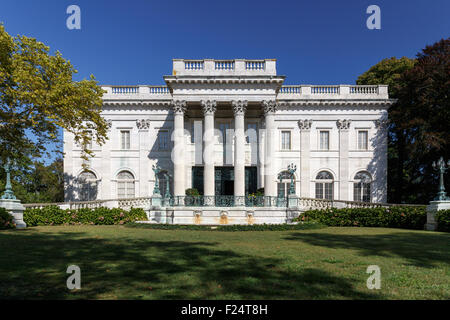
(120, 262)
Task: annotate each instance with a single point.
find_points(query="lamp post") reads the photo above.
(442, 167)
(291, 169)
(441, 201)
(156, 169)
(8, 199)
(8, 194)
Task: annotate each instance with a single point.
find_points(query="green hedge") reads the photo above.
(254, 227)
(53, 215)
(393, 217)
(443, 220)
(6, 220)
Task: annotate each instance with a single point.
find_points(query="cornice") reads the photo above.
(224, 79)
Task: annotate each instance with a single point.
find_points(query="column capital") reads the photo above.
(343, 124)
(269, 106)
(304, 124)
(239, 106)
(143, 124)
(381, 123)
(179, 106)
(209, 106)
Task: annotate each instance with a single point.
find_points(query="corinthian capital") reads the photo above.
(270, 106)
(343, 124)
(381, 123)
(239, 106)
(209, 106)
(143, 124)
(179, 106)
(304, 124)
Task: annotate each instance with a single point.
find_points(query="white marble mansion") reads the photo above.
(231, 127)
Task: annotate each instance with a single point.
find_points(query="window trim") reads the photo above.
(122, 130)
(281, 139)
(358, 130)
(167, 142)
(320, 139)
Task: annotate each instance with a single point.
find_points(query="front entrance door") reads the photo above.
(224, 180)
(228, 188)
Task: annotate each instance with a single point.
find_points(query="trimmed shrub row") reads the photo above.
(393, 217)
(443, 220)
(6, 220)
(53, 215)
(254, 227)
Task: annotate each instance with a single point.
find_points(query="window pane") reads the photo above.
(362, 140)
(285, 140)
(125, 139)
(163, 141)
(319, 190)
(281, 189)
(357, 191)
(366, 192)
(324, 140)
(328, 191)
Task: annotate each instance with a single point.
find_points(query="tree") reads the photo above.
(426, 116)
(390, 71)
(419, 121)
(38, 97)
(38, 182)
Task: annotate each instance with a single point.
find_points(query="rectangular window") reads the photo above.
(324, 140)
(362, 140)
(251, 132)
(285, 140)
(329, 191)
(163, 140)
(125, 139)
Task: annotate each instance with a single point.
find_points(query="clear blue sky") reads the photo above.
(315, 42)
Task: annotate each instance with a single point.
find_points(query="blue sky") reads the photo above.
(315, 42)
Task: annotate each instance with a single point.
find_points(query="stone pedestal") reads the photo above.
(16, 209)
(292, 201)
(156, 201)
(432, 208)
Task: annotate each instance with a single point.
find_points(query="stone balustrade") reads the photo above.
(287, 92)
(312, 92)
(220, 201)
(239, 67)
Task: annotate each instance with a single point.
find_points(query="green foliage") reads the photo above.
(419, 121)
(393, 217)
(38, 183)
(443, 220)
(53, 215)
(192, 192)
(38, 97)
(254, 227)
(6, 220)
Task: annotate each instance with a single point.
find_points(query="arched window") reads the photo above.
(87, 186)
(324, 185)
(125, 185)
(361, 186)
(284, 183)
(164, 178)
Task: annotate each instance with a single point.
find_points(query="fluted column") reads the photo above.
(239, 108)
(305, 142)
(343, 126)
(209, 108)
(178, 154)
(270, 183)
